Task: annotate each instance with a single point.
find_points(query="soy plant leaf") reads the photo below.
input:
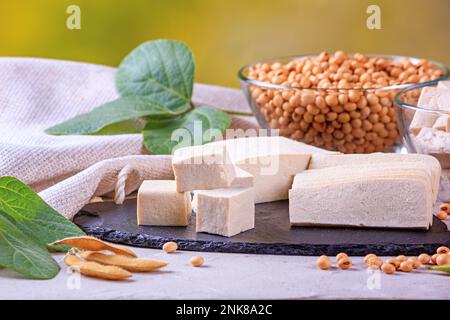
(32, 215)
(161, 137)
(161, 70)
(114, 117)
(19, 252)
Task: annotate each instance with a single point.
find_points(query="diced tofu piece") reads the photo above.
(434, 98)
(380, 200)
(327, 161)
(273, 161)
(159, 204)
(243, 179)
(225, 212)
(422, 120)
(202, 168)
(431, 98)
(442, 123)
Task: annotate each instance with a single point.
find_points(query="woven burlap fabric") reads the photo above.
(70, 170)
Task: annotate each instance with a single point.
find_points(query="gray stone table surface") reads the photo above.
(234, 276)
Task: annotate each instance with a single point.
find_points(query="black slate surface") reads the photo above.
(272, 234)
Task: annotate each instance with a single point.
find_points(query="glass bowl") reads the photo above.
(425, 130)
(345, 119)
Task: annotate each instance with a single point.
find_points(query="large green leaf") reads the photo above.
(161, 137)
(116, 114)
(161, 70)
(32, 215)
(22, 254)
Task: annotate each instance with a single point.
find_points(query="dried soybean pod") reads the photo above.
(127, 263)
(94, 244)
(96, 270)
(72, 260)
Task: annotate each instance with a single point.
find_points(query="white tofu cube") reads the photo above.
(159, 204)
(225, 212)
(202, 168)
(243, 179)
(273, 162)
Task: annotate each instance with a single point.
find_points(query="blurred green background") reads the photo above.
(223, 34)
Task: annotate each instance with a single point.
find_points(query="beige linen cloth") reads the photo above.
(69, 171)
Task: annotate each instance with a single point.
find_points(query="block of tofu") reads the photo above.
(431, 98)
(243, 179)
(444, 85)
(359, 200)
(442, 123)
(225, 212)
(159, 204)
(369, 171)
(326, 161)
(273, 162)
(202, 168)
(444, 194)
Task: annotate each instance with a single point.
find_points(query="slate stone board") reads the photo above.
(272, 234)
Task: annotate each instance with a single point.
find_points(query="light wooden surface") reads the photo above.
(234, 276)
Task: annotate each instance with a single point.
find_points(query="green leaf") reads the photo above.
(123, 127)
(32, 215)
(159, 136)
(22, 254)
(115, 112)
(161, 70)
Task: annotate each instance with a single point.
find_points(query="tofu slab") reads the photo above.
(225, 212)
(375, 202)
(273, 162)
(159, 204)
(202, 167)
(347, 174)
(325, 161)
